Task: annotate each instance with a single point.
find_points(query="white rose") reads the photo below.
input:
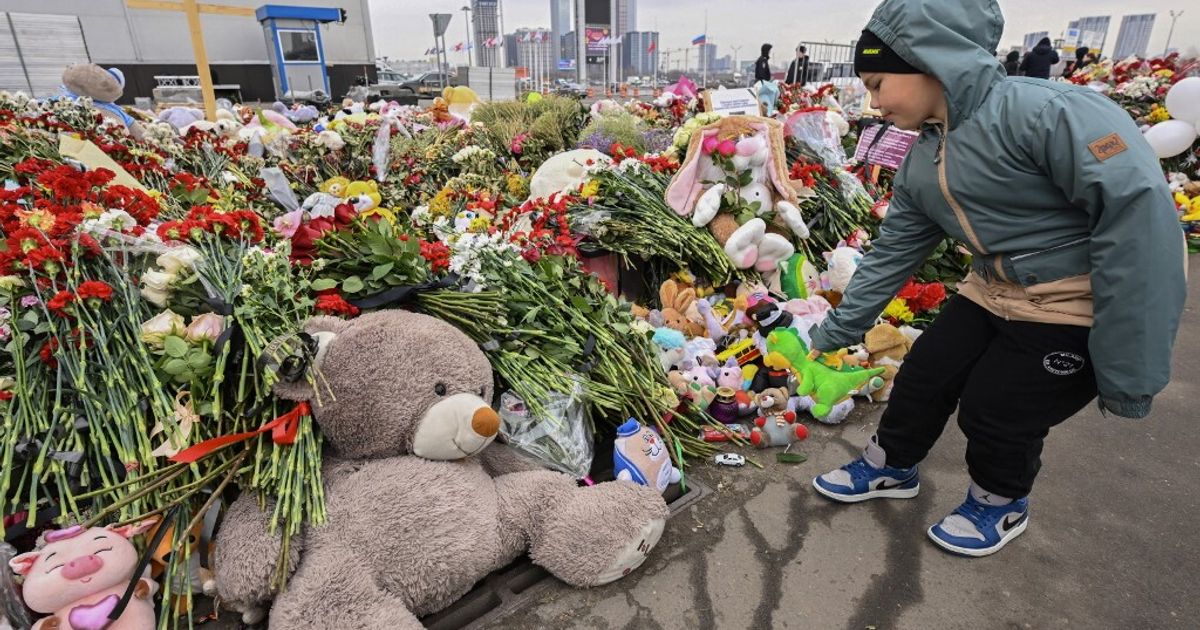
(156, 297)
(165, 323)
(178, 259)
(157, 280)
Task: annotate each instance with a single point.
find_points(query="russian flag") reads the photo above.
(699, 39)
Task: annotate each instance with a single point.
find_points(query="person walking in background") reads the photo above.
(1012, 63)
(798, 70)
(762, 67)
(1038, 61)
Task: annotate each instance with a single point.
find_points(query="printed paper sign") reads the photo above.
(740, 101)
(889, 151)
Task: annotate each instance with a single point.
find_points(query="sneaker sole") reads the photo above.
(977, 553)
(894, 493)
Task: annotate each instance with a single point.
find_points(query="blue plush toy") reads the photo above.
(640, 455)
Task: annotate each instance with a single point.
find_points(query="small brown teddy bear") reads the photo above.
(103, 86)
(887, 347)
(418, 504)
(776, 424)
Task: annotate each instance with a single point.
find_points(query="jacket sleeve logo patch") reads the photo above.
(1108, 146)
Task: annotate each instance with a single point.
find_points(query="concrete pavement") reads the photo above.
(1112, 540)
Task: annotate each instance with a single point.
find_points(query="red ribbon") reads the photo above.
(283, 431)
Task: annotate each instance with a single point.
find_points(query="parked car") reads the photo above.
(428, 83)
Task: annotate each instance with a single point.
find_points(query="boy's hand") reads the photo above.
(814, 354)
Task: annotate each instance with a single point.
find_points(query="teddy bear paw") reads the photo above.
(634, 553)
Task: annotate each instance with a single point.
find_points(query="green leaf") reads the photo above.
(199, 360)
(175, 347)
(382, 270)
(324, 284)
(353, 284)
(175, 367)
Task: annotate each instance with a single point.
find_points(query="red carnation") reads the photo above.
(332, 303)
(59, 303)
(95, 289)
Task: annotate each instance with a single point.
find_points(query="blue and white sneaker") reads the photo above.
(868, 478)
(978, 529)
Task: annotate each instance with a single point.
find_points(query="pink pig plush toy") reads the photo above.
(79, 576)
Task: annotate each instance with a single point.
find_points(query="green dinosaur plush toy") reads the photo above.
(825, 385)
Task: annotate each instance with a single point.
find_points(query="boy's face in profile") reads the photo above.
(906, 100)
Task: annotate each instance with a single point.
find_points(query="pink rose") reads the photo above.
(727, 148)
(709, 145)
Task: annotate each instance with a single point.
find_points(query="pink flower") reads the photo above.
(287, 224)
(30, 301)
(727, 148)
(710, 144)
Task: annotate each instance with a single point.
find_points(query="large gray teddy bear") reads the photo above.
(420, 505)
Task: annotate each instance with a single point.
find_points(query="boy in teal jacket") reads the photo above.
(1077, 280)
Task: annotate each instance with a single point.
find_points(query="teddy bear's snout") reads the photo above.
(485, 422)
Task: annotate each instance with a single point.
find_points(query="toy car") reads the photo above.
(730, 459)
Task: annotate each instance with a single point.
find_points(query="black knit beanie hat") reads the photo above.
(872, 55)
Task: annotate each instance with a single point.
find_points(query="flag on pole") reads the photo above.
(617, 41)
(458, 47)
(653, 47)
(699, 40)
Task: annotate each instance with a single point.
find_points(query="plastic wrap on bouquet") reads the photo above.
(561, 440)
(814, 130)
(279, 188)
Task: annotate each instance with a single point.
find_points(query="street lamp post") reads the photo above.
(467, 19)
(736, 68)
(1174, 16)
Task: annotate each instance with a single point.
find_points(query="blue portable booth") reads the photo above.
(294, 44)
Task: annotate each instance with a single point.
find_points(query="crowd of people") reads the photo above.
(1040, 61)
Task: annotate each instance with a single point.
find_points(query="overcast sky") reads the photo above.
(403, 29)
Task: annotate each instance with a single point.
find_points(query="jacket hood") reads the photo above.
(952, 40)
(1043, 49)
(766, 50)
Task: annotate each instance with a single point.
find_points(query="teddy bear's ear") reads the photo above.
(296, 359)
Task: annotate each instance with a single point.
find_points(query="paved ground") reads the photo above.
(1112, 541)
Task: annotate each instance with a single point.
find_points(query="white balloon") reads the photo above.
(1170, 138)
(1183, 100)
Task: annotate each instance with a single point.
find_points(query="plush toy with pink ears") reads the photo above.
(79, 576)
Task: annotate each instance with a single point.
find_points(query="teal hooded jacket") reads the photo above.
(1043, 182)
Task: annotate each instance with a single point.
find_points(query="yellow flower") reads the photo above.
(440, 205)
(590, 189)
(517, 186)
(1165, 73)
(1157, 114)
(898, 310)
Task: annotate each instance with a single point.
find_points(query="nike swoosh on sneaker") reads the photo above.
(1009, 524)
(883, 484)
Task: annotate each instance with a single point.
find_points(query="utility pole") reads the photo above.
(467, 22)
(1174, 16)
